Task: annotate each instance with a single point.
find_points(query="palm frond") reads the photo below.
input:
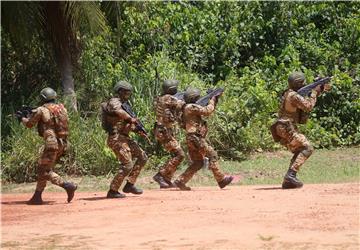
(19, 19)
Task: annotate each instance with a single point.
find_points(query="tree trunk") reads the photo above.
(67, 81)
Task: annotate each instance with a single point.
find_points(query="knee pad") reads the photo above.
(213, 158)
(307, 151)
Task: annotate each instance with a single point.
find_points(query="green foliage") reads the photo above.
(249, 48)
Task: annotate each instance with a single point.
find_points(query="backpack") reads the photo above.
(104, 114)
(60, 118)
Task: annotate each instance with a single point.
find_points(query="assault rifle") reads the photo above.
(25, 111)
(306, 90)
(203, 101)
(180, 95)
(139, 127)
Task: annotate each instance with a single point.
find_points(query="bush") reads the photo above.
(249, 48)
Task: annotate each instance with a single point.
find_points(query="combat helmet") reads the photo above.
(191, 95)
(170, 86)
(296, 80)
(122, 85)
(48, 94)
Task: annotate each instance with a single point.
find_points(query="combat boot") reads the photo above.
(182, 186)
(130, 188)
(114, 194)
(171, 185)
(36, 199)
(161, 180)
(290, 180)
(70, 190)
(226, 181)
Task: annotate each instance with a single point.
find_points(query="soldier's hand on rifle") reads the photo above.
(19, 115)
(318, 89)
(327, 87)
(134, 120)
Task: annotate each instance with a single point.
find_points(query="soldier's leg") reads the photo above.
(138, 166)
(220, 178)
(195, 166)
(165, 136)
(44, 173)
(302, 150)
(56, 179)
(177, 156)
(197, 151)
(123, 154)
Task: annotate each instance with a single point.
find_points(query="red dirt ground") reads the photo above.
(324, 216)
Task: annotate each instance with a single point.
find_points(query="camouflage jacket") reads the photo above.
(167, 109)
(119, 120)
(193, 117)
(52, 122)
(294, 105)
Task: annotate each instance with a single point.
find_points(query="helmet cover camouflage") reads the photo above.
(122, 85)
(48, 94)
(296, 80)
(191, 95)
(170, 86)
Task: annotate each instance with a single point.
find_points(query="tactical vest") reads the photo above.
(110, 122)
(58, 121)
(164, 115)
(105, 116)
(289, 112)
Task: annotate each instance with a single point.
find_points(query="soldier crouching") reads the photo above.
(294, 110)
(198, 147)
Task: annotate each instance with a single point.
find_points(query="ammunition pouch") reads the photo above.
(303, 117)
(41, 129)
(274, 134)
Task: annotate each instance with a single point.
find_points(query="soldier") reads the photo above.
(52, 123)
(284, 130)
(199, 149)
(119, 124)
(167, 109)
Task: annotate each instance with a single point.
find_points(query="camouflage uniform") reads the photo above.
(55, 144)
(123, 146)
(198, 147)
(167, 108)
(291, 113)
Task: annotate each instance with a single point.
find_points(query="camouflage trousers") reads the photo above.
(296, 142)
(126, 150)
(49, 157)
(198, 150)
(165, 136)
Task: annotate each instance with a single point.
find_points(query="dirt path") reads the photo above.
(322, 216)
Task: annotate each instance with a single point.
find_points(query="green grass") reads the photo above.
(324, 166)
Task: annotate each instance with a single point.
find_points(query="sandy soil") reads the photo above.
(322, 216)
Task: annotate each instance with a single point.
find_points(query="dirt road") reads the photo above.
(322, 216)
